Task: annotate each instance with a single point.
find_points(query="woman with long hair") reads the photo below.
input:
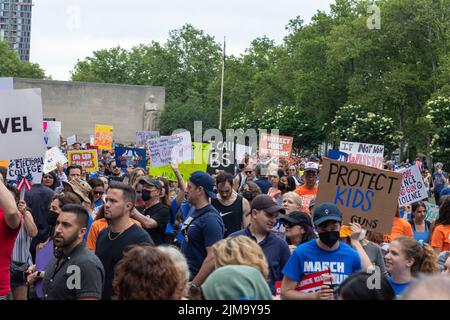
(420, 226)
(440, 240)
(298, 228)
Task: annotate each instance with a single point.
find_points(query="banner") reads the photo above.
(87, 159)
(103, 136)
(275, 146)
(71, 140)
(177, 147)
(21, 129)
(143, 136)
(130, 157)
(413, 188)
(199, 163)
(363, 153)
(29, 168)
(364, 195)
(52, 133)
(52, 157)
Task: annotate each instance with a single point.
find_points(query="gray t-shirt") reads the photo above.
(376, 256)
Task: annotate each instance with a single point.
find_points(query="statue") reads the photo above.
(151, 113)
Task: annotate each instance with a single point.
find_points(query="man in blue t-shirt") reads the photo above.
(201, 230)
(318, 255)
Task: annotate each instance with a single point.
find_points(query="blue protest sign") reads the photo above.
(130, 157)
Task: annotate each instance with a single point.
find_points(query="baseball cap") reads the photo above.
(445, 192)
(326, 211)
(298, 218)
(311, 166)
(80, 188)
(202, 179)
(266, 203)
(147, 180)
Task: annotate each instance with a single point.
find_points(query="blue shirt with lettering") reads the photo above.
(309, 258)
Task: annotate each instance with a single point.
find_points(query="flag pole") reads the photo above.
(221, 87)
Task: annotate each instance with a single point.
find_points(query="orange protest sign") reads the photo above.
(4, 163)
(103, 136)
(275, 146)
(87, 159)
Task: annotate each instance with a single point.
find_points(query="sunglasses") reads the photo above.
(99, 192)
(247, 172)
(289, 224)
(293, 170)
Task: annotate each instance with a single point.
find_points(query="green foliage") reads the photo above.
(12, 66)
(439, 115)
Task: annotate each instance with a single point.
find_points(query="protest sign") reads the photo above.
(221, 157)
(364, 195)
(4, 163)
(337, 155)
(241, 150)
(21, 129)
(177, 147)
(103, 136)
(308, 283)
(413, 188)
(52, 133)
(52, 157)
(87, 159)
(363, 153)
(28, 168)
(199, 163)
(130, 157)
(275, 146)
(143, 136)
(71, 140)
(91, 139)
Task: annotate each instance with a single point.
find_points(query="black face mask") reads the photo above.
(329, 238)
(248, 195)
(146, 195)
(52, 216)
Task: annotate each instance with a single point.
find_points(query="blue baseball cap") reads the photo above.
(326, 211)
(445, 192)
(202, 179)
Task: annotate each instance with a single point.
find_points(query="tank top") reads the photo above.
(231, 215)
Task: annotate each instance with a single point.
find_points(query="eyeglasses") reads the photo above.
(99, 192)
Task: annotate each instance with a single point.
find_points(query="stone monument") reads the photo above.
(151, 114)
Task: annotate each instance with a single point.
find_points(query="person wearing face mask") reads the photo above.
(156, 215)
(318, 255)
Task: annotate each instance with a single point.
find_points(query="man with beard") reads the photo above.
(263, 216)
(326, 254)
(75, 273)
(121, 232)
(115, 172)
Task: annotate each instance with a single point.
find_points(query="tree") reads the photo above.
(12, 66)
(439, 115)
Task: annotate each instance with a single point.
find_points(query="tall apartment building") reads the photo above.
(15, 25)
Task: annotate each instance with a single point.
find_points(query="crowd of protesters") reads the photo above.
(252, 235)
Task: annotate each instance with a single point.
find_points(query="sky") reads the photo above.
(64, 31)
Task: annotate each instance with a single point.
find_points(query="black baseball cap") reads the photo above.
(147, 180)
(297, 218)
(266, 203)
(326, 211)
(203, 179)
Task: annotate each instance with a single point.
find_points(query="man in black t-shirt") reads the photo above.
(156, 215)
(121, 232)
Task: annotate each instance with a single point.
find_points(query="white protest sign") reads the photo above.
(363, 153)
(29, 168)
(52, 132)
(241, 150)
(143, 136)
(413, 188)
(52, 157)
(21, 129)
(91, 139)
(177, 147)
(71, 140)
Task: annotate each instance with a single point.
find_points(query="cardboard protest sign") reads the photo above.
(199, 163)
(71, 140)
(177, 147)
(87, 159)
(275, 146)
(241, 150)
(52, 157)
(364, 195)
(103, 136)
(413, 188)
(363, 153)
(28, 168)
(52, 133)
(21, 130)
(221, 157)
(130, 157)
(143, 136)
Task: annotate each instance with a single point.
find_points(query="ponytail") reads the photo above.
(425, 260)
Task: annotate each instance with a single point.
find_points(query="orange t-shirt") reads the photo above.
(400, 227)
(97, 227)
(306, 195)
(441, 237)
